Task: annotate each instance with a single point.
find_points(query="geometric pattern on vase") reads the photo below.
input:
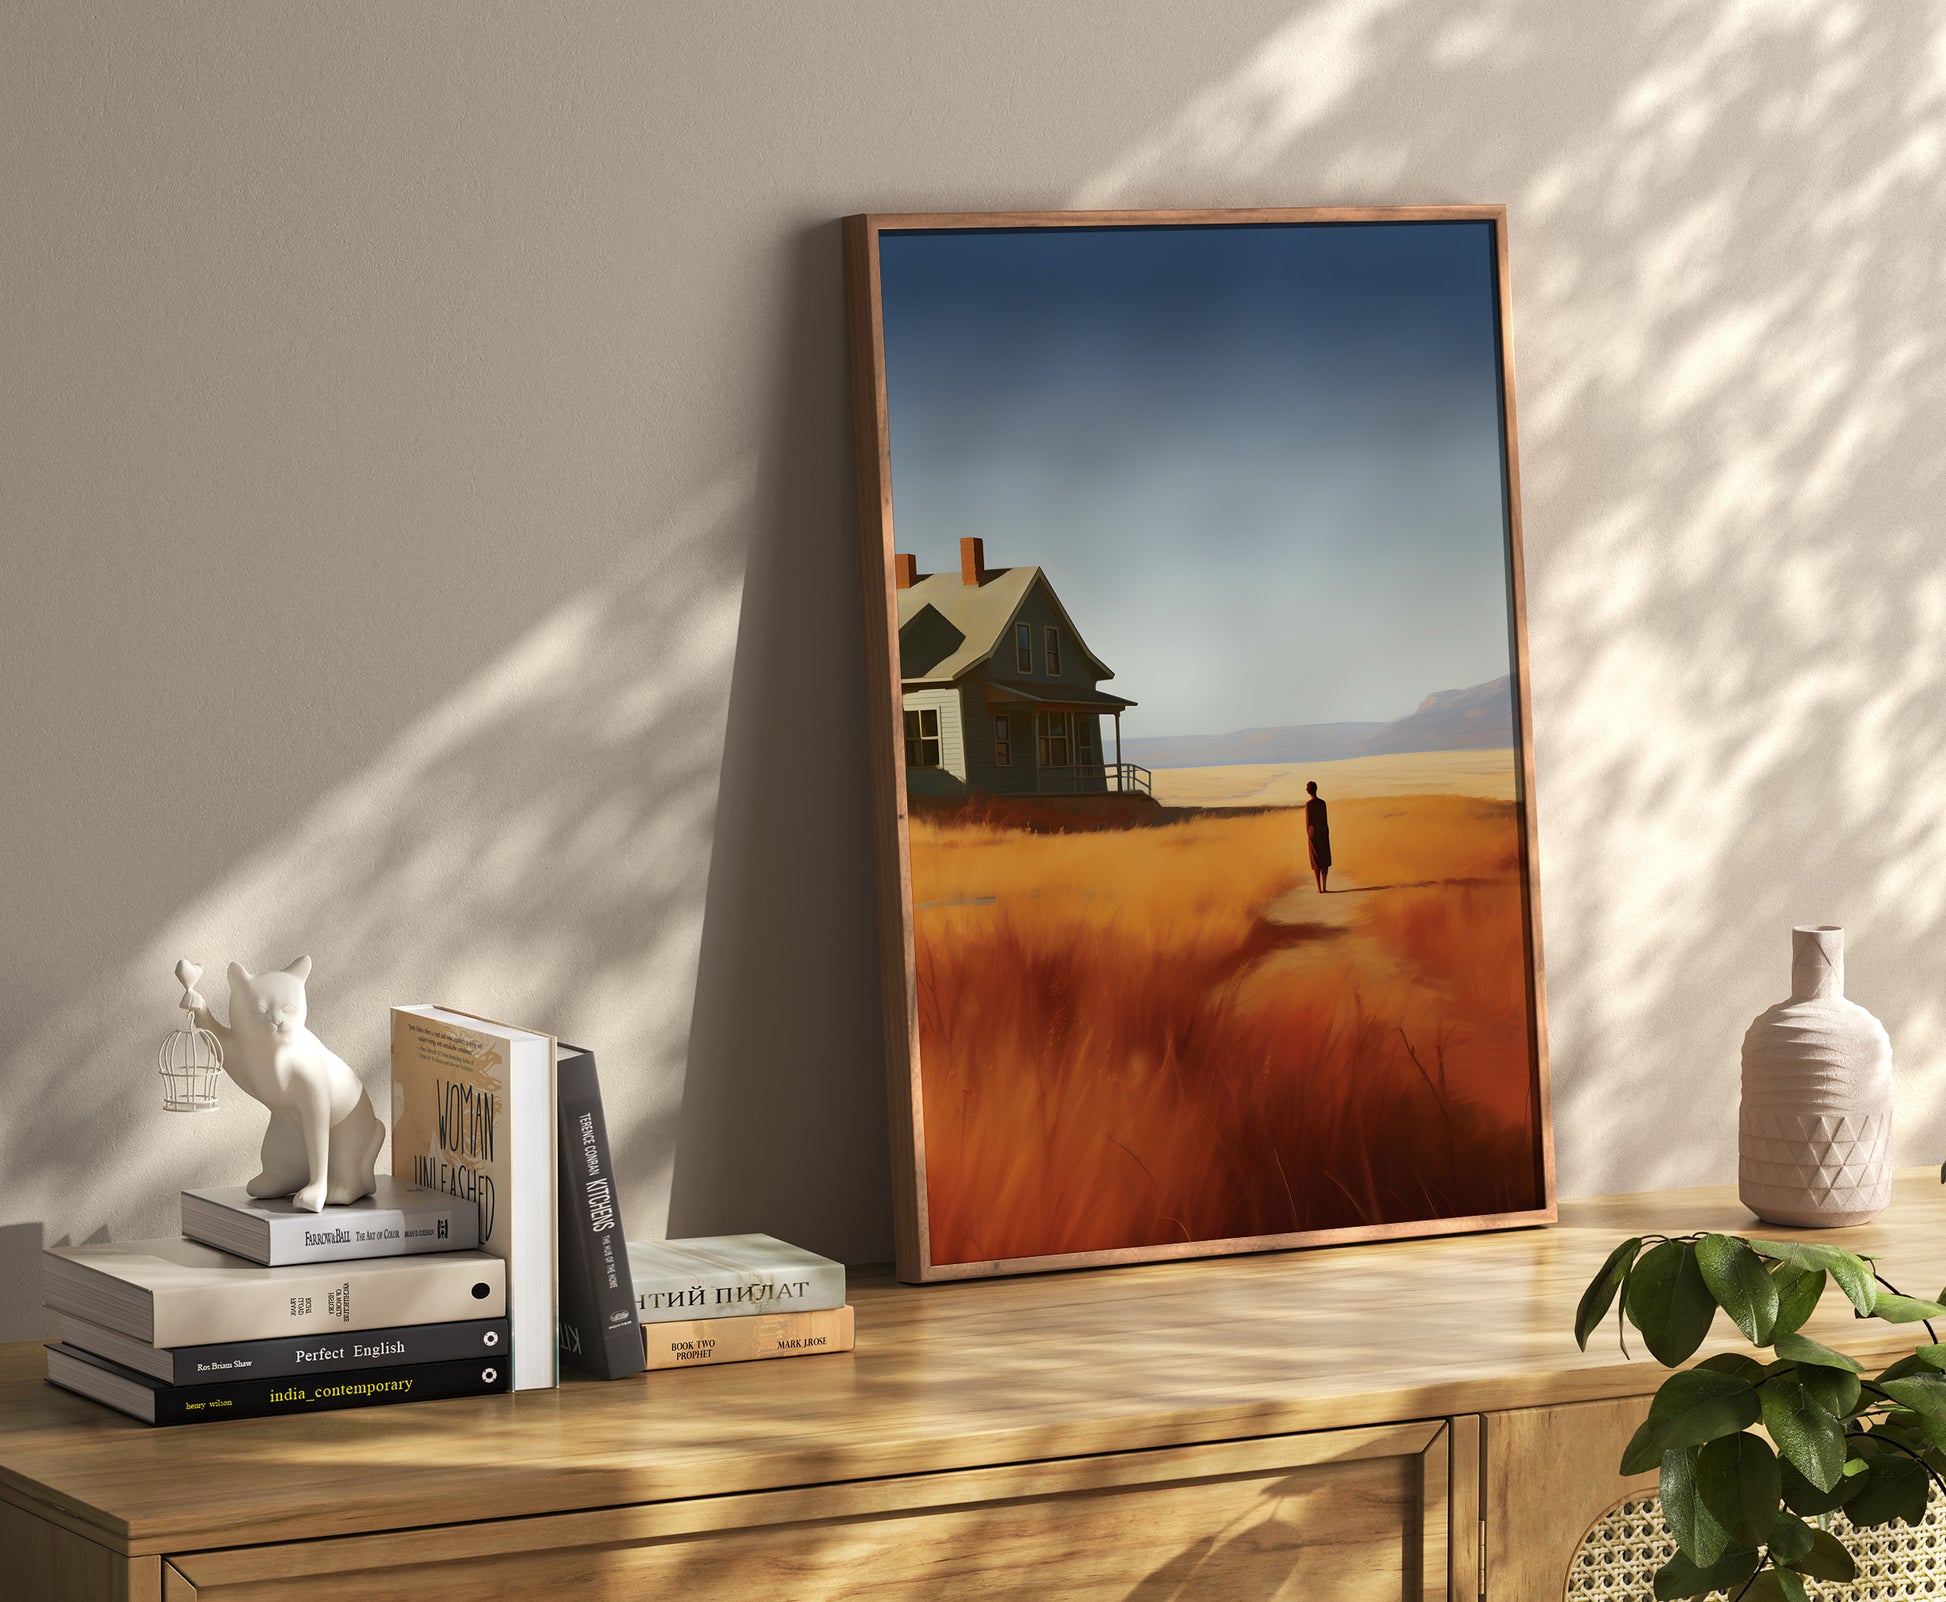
(1842, 1162)
(1617, 1559)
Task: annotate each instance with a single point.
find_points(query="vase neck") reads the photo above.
(1817, 963)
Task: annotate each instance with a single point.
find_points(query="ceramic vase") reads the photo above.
(1815, 1134)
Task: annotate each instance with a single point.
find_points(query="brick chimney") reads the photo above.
(972, 561)
(905, 570)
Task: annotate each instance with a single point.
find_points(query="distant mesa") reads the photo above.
(1479, 718)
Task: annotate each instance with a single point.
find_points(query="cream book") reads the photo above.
(698, 1342)
(177, 1293)
(473, 1111)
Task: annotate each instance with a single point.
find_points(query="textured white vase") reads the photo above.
(1815, 1135)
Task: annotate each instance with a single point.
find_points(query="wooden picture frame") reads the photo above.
(1525, 1190)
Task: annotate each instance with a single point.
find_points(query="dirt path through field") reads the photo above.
(1339, 940)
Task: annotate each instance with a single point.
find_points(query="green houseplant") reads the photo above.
(1751, 1516)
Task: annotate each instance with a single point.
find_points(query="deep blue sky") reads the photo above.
(1262, 465)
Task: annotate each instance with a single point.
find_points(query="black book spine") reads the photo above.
(407, 1346)
(262, 1398)
(599, 1333)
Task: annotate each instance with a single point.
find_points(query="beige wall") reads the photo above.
(425, 526)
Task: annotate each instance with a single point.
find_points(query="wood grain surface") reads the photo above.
(945, 1378)
(1550, 1476)
(1346, 1513)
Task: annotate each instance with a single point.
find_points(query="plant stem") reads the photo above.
(1931, 1472)
(1931, 1335)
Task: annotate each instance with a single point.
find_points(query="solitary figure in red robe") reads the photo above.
(1317, 829)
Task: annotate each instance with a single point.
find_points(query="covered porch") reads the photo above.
(1065, 754)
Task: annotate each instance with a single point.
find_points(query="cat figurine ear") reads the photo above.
(300, 970)
(240, 975)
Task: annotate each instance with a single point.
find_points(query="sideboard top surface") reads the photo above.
(945, 1377)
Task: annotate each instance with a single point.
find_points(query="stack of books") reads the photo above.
(735, 1298)
(492, 1253)
(263, 1308)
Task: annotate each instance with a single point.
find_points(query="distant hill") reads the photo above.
(1478, 718)
(1304, 742)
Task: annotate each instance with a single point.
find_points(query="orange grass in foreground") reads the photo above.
(1137, 1036)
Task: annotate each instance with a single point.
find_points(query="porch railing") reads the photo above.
(1100, 778)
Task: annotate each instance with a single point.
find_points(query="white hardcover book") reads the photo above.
(730, 1276)
(179, 1293)
(396, 1220)
(473, 1115)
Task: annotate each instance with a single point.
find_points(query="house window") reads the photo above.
(922, 737)
(1051, 739)
(1024, 647)
(1051, 650)
(1003, 745)
(1084, 739)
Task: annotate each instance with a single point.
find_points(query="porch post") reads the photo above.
(1118, 749)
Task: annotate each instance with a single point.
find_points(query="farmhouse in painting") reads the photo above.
(998, 689)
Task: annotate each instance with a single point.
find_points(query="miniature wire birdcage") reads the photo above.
(190, 1059)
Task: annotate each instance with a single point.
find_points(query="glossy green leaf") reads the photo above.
(1853, 1274)
(1798, 1290)
(1668, 1302)
(1701, 1538)
(1905, 1309)
(1790, 1538)
(1931, 1356)
(1923, 1393)
(1827, 1559)
(1805, 1499)
(1774, 1585)
(1693, 1406)
(1600, 1294)
(1895, 1488)
(1809, 1437)
(1802, 1349)
(1741, 1285)
(1740, 1364)
(1738, 1481)
(1837, 1389)
(1681, 1578)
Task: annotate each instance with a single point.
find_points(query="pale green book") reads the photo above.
(730, 1276)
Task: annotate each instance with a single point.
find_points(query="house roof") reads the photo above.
(968, 622)
(1052, 694)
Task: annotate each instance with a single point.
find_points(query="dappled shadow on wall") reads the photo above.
(1726, 274)
(535, 848)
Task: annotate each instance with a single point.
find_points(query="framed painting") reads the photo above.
(1201, 753)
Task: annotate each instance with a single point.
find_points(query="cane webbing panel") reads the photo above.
(1617, 1559)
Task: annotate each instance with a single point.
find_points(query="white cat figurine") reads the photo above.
(324, 1136)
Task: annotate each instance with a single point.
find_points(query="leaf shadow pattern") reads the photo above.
(1732, 420)
(540, 839)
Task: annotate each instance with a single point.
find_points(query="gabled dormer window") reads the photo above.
(1024, 647)
(1051, 650)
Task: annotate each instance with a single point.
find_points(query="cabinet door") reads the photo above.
(1339, 1516)
(1550, 1474)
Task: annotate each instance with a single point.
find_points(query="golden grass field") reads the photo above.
(1136, 1035)
(1281, 784)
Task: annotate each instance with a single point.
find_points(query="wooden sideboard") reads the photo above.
(1385, 1421)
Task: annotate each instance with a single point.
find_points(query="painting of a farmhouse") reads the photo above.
(1210, 728)
(999, 693)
